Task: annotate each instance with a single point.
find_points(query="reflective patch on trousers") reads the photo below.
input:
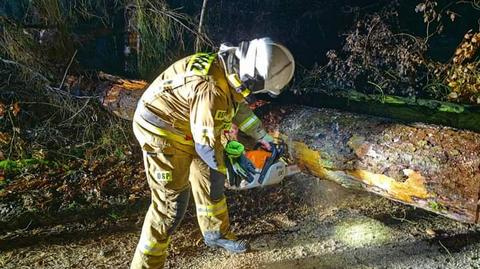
(212, 210)
(165, 176)
(152, 248)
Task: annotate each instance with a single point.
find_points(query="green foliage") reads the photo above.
(155, 30)
(20, 46)
(62, 126)
(35, 48)
(72, 206)
(435, 206)
(15, 166)
(114, 216)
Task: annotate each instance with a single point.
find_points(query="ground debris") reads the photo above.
(83, 190)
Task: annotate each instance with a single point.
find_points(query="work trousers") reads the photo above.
(172, 172)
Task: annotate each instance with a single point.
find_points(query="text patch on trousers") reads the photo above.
(164, 176)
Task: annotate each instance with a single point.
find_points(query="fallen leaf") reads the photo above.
(430, 232)
(2, 110)
(15, 109)
(453, 95)
(4, 138)
(452, 16)
(420, 7)
(2, 156)
(475, 38)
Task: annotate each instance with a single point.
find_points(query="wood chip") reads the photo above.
(430, 232)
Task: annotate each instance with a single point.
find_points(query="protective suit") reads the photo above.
(179, 122)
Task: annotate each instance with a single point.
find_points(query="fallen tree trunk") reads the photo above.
(431, 167)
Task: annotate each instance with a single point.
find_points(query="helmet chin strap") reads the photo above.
(244, 85)
(241, 88)
(251, 99)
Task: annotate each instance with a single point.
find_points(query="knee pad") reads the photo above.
(181, 202)
(217, 185)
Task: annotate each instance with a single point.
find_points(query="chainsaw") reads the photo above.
(271, 166)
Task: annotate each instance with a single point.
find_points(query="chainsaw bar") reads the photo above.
(292, 170)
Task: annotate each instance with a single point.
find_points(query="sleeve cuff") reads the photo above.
(258, 134)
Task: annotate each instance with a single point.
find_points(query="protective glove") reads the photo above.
(239, 167)
(246, 168)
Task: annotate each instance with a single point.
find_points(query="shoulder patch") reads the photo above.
(220, 114)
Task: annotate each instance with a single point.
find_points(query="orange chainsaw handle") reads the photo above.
(258, 157)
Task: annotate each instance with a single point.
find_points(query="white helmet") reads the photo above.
(265, 66)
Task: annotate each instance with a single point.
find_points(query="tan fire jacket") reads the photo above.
(192, 103)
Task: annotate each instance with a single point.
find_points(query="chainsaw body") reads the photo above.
(271, 167)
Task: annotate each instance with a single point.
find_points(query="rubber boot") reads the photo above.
(215, 240)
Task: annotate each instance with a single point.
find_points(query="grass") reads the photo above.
(51, 120)
(10, 166)
(162, 36)
(155, 32)
(20, 46)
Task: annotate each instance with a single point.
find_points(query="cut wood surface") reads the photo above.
(120, 95)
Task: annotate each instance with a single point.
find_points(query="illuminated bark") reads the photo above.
(427, 166)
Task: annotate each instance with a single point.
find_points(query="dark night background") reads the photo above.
(309, 28)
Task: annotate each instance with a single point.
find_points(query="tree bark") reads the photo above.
(428, 166)
(431, 167)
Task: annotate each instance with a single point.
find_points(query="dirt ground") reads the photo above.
(302, 223)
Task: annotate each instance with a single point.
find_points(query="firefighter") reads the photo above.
(179, 122)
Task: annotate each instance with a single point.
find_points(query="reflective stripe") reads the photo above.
(235, 80)
(178, 80)
(152, 248)
(155, 120)
(248, 123)
(212, 210)
(237, 84)
(200, 63)
(161, 132)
